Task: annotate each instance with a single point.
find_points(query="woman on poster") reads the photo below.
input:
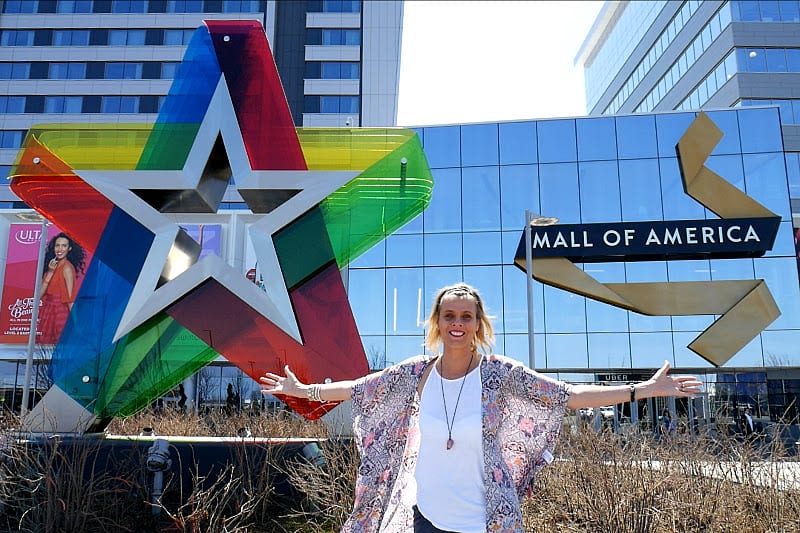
(64, 261)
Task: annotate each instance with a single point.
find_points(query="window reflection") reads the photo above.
(669, 129)
(564, 311)
(760, 130)
(519, 190)
(404, 250)
(556, 141)
(442, 146)
(640, 188)
(366, 290)
(480, 198)
(444, 211)
(489, 281)
(650, 350)
(441, 249)
(785, 289)
(566, 350)
(479, 145)
(597, 139)
(404, 301)
(482, 248)
(599, 179)
(636, 136)
(558, 192)
(765, 179)
(609, 350)
(518, 143)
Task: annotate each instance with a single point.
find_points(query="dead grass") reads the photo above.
(600, 482)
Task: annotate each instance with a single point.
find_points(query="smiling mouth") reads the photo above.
(456, 333)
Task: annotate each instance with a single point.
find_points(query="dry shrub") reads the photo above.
(58, 485)
(328, 486)
(606, 482)
(218, 423)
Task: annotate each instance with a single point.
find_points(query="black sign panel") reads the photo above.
(648, 241)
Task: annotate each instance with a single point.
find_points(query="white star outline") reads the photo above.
(220, 120)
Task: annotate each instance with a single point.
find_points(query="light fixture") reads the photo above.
(30, 216)
(86, 379)
(540, 220)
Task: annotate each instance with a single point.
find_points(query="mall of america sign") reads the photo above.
(745, 228)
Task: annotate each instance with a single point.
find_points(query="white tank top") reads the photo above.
(450, 490)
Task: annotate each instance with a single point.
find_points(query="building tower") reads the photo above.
(114, 60)
(642, 57)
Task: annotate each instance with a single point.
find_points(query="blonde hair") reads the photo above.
(484, 337)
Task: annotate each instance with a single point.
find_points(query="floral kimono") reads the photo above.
(522, 415)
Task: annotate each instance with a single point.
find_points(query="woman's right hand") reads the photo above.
(51, 266)
(288, 385)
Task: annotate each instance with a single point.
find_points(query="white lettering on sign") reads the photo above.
(707, 235)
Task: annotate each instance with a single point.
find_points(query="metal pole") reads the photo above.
(529, 285)
(34, 318)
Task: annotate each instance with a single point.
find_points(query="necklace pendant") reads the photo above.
(450, 443)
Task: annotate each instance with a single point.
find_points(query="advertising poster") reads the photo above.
(64, 266)
(797, 245)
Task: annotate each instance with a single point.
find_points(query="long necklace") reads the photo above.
(447, 419)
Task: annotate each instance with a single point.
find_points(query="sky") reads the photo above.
(485, 61)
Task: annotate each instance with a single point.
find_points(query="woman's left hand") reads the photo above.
(662, 384)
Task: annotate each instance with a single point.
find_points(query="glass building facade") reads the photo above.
(582, 170)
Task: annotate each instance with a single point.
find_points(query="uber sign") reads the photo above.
(648, 241)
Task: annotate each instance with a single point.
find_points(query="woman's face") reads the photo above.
(458, 321)
(62, 248)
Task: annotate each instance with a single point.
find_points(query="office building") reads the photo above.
(642, 57)
(114, 60)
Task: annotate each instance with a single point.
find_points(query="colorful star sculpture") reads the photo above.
(149, 314)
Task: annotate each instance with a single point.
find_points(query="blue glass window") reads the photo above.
(442, 249)
(556, 141)
(677, 204)
(404, 250)
(636, 137)
(760, 130)
(729, 125)
(519, 190)
(602, 317)
(776, 60)
(11, 139)
(765, 181)
(650, 350)
(597, 139)
(444, 211)
(640, 189)
(669, 129)
(609, 350)
(785, 289)
(566, 350)
(599, 191)
(790, 11)
(404, 301)
(517, 143)
(558, 192)
(479, 145)
(515, 311)
(647, 271)
(442, 146)
(482, 248)
(366, 292)
(480, 198)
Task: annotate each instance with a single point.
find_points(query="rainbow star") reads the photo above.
(149, 313)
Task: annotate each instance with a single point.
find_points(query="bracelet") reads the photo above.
(312, 393)
(633, 394)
